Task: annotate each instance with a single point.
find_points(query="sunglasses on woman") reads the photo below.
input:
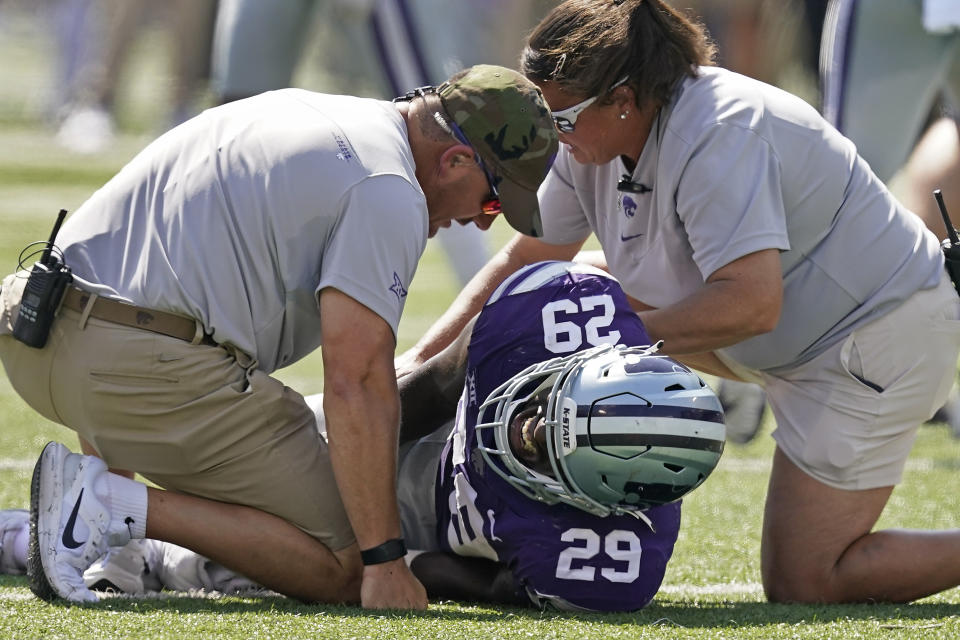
(566, 119)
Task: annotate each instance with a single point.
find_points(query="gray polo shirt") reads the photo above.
(735, 166)
(241, 215)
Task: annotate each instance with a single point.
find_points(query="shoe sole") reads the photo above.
(45, 524)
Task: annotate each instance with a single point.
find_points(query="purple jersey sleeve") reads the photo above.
(558, 554)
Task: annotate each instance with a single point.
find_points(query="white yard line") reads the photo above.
(16, 464)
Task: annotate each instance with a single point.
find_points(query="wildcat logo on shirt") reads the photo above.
(629, 206)
(397, 287)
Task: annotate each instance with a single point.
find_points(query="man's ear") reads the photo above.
(455, 158)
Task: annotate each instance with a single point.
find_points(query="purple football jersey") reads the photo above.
(559, 554)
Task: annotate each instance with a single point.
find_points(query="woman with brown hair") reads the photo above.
(758, 245)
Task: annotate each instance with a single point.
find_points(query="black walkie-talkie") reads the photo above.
(43, 293)
(951, 245)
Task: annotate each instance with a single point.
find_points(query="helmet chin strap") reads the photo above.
(636, 513)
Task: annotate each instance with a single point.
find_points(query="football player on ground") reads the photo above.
(558, 481)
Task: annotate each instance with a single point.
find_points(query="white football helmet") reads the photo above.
(626, 429)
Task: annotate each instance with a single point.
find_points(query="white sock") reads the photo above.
(127, 501)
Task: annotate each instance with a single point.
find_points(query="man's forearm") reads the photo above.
(362, 428)
(362, 410)
(362, 423)
(739, 301)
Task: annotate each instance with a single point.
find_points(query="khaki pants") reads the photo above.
(197, 419)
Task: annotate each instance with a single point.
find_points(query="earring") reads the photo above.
(623, 116)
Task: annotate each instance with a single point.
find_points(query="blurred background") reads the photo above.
(147, 65)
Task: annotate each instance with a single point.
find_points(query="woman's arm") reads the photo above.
(738, 301)
(520, 251)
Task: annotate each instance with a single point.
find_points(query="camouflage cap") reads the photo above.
(505, 118)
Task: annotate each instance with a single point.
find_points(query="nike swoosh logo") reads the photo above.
(68, 540)
(624, 238)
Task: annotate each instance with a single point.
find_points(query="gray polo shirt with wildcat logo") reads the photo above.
(735, 166)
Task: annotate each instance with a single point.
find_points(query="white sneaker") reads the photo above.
(128, 569)
(69, 525)
(743, 407)
(86, 130)
(12, 523)
(180, 569)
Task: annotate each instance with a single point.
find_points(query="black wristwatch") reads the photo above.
(384, 552)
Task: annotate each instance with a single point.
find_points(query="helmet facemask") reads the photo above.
(524, 390)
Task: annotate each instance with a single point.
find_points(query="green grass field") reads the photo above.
(712, 585)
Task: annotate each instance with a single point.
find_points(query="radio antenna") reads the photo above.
(45, 258)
